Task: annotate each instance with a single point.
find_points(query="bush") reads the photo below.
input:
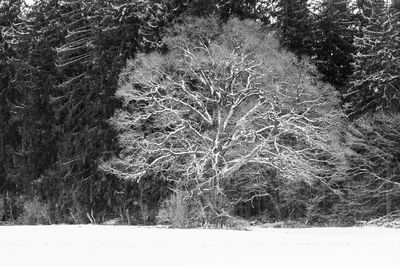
(175, 211)
(34, 212)
(2, 210)
(11, 207)
(237, 223)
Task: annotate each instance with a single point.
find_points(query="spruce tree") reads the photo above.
(333, 37)
(376, 76)
(9, 11)
(36, 79)
(294, 23)
(99, 36)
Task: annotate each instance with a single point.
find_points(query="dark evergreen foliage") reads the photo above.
(334, 28)
(375, 82)
(294, 22)
(60, 66)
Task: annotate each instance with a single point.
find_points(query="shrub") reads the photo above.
(11, 208)
(175, 211)
(34, 212)
(2, 211)
(237, 223)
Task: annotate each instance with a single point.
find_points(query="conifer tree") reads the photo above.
(9, 11)
(224, 9)
(294, 24)
(376, 78)
(100, 35)
(35, 81)
(26, 121)
(333, 37)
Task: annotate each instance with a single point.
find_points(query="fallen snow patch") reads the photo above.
(88, 245)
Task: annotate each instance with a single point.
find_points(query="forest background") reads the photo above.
(117, 109)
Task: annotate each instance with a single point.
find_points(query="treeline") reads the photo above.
(81, 83)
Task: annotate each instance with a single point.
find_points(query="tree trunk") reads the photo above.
(2, 145)
(388, 187)
(276, 203)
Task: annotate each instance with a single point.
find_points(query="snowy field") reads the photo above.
(96, 246)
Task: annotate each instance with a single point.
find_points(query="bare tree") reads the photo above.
(374, 170)
(217, 104)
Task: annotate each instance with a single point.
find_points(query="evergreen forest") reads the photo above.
(199, 113)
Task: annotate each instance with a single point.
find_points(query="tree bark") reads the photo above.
(2, 144)
(388, 187)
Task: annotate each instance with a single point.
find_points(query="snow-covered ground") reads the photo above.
(76, 246)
